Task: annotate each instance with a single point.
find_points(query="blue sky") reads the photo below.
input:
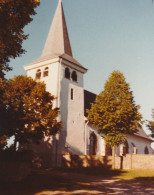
(105, 35)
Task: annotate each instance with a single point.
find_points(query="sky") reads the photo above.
(105, 35)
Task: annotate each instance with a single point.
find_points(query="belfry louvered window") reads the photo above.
(38, 74)
(46, 72)
(67, 73)
(74, 76)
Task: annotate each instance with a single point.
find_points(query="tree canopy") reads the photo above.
(14, 15)
(29, 113)
(114, 112)
(151, 124)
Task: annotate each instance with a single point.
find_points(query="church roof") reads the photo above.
(57, 43)
(90, 97)
(141, 133)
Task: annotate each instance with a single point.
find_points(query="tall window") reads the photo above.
(67, 73)
(74, 76)
(46, 72)
(71, 94)
(108, 150)
(38, 74)
(126, 147)
(93, 144)
(146, 151)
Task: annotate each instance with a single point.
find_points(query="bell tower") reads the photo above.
(63, 76)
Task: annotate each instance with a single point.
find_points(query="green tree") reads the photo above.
(114, 112)
(151, 125)
(14, 15)
(29, 110)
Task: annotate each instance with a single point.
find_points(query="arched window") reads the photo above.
(67, 73)
(74, 76)
(93, 144)
(38, 74)
(46, 72)
(146, 151)
(126, 147)
(108, 150)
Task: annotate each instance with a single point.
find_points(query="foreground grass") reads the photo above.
(133, 174)
(120, 174)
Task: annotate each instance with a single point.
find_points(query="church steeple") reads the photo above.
(58, 42)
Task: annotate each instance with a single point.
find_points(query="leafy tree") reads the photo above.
(114, 112)
(14, 15)
(3, 132)
(151, 125)
(29, 110)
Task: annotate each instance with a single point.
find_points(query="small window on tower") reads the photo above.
(71, 94)
(46, 72)
(67, 73)
(74, 76)
(38, 74)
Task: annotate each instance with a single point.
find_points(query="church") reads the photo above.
(64, 78)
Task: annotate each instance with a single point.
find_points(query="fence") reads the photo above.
(130, 161)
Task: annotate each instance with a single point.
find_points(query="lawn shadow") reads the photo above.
(77, 181)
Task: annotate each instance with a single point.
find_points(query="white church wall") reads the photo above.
(72, 113)
(100, 147)
(140, 143)
(136, 145)
(51, 80)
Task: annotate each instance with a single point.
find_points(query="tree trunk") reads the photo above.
(113, 157)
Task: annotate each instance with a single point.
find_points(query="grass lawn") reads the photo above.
(132, 174)
(108, 173)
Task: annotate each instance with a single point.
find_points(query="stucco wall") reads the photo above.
(140, 144)
(72, 113)
(133, 140)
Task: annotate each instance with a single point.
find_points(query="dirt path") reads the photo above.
(63, 183)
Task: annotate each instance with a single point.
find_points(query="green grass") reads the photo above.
(108, 173)
(133, 174)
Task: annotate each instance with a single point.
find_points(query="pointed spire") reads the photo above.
(58, 42)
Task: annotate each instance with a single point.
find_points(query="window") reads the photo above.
(126, 148)
(67, 73)
(38, 74)
(71, 94)
(74, 76)
(46, 72)
(93, 144)
(108, 150)
(146, 151)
